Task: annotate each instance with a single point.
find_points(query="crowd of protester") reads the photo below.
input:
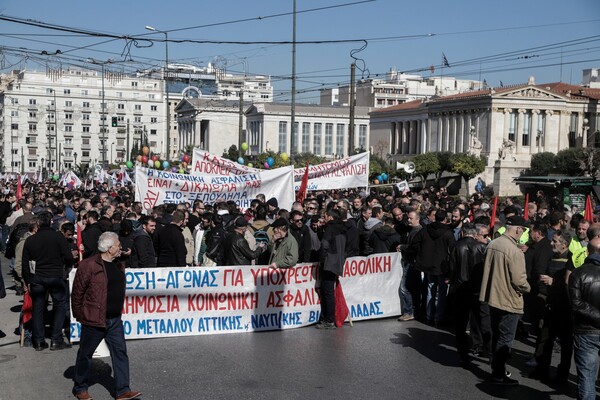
(529, 270)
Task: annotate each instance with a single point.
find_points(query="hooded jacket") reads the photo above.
(365, 235)
(384, 239)
(435, 242)
(333, 247)
(584, 292)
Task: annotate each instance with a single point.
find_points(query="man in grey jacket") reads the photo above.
(502, 287)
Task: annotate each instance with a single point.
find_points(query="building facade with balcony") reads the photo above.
(55, 119)
(504, 125)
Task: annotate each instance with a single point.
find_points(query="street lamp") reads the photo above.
(112, 159)
(75, 157)
(151, 28)
(102, 107)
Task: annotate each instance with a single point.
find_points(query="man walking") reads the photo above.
(584, 292)
(97, 302)
(503, 285)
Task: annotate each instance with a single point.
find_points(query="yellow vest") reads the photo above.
(524, 239)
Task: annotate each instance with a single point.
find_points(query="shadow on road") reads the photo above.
(438, 346)
(100, 373)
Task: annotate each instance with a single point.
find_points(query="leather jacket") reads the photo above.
(237, 250)
(584, 292)
(465, 265)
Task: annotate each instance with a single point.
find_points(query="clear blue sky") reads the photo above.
(407, 35)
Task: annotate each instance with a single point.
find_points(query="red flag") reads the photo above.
(588, 214)
(27, 309)
(19, 191)
(494, 211)
(341, 308)
(526, 216)
(303, 186)
(79, 242)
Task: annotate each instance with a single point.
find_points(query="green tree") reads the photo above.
(467, 166)
(425, 165)
(542, 164)
(444, 163)
(377, 165)
(301, 159)
(567, 162)
(232, 153)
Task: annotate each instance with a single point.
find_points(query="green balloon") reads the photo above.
(55, 177)
(245, 146)
(129, 164)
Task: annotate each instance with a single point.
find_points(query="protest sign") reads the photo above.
(154, 187)
(180, 301)
(205, 163)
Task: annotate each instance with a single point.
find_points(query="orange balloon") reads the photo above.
(139, 158)
(184, 164)
(376, 182)
(145, 150)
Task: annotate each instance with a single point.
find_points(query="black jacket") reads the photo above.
(584, 292)
(51, 253)
(537, 259)
(384, 239)
(170, 247)
(465, 265)
(352, 239)
(333, 247)
(302, 237)
(89, 238)
(142, 251)
(435, 242)
(238, 251)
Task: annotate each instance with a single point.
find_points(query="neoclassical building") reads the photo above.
(505, 125)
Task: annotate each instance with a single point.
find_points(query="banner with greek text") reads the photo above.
(181, 301)
(154, 187)
(345, 173)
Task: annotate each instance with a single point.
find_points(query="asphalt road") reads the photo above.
(380, 359)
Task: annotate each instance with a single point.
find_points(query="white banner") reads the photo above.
(183, 301)
(345, 173)
(349, 172)
(153, 187)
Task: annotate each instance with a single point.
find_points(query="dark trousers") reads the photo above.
(115, 340)
(56, 288)
(555, 325)
(504, 328)
(468, 310)
(328, 280)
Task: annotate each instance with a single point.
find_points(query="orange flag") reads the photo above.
(588, 214)
(303, 186)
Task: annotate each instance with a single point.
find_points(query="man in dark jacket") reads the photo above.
(435, 243)
(46, 257)
(385, 238)
(97, 302)
(333, 257)
(238, 251)
(410, 298)
(170, 244)
(142, 252)
(300, 231)
(90, 234)
(465, 270)
(584, 292)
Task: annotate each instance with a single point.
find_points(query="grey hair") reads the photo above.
(106, 240)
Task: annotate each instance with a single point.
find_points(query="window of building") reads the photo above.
(32, 152)
(85, 153)
(317, 132)
(283, 136)
(120, 106)
(32, 115)
(14, 113)
(339, 140)
(85, 117)
(84, 92)
(14, 151)
(14, 127)
(85, 141)
(50, 128)
(153, 131)
(512, 126)
(67, 91)
(14, 101)
(134, 84)
(137, 119)
(32, 164)
(328, 139)
(153, 108)
(68, 103)
(68, 141)
(119, 94)
(68, 128)
(69, 116)
(86, 104)
(138, 107)
(86, 129)
(151, 96)
(49, 90)
(362, 137)
(305, 137)
(153, 120)
(32, 102)
(33, 127)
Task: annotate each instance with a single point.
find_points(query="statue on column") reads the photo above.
(507, 149)
(475, 147)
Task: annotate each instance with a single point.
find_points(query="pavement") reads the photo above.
(378, 359)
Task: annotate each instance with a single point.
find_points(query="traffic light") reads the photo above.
(115, 122)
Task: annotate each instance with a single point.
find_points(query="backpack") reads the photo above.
(14, 238)
(261, 236)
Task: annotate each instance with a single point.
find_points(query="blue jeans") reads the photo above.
(38, 288)
(504, 328)
(437, 293)
(406, 301)
(587, 351)
(115, 340)
(4, 230)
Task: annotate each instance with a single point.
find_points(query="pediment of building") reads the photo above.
(184, 106)
(530, 92)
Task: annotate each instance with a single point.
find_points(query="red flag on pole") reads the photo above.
(79, 242)
(494, 211)
(27, 309)
(588, 214)
(303, 186)
(341, 308)
(526, 211)
(19, 190)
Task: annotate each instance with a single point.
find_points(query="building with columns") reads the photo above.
(504, 125)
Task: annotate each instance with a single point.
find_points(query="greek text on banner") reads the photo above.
(163, 302)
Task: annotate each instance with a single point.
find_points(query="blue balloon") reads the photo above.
(241, 160)
(384, 176)
(166, 164)
(380, 178)
(270, 161)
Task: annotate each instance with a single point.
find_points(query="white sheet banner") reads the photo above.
(153, 187)
(163, 302)
(348, 172)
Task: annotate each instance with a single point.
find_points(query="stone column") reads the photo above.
(534, 132)
(446, 133)
(440, 128)
(403, 138)
(519, 134)
(507, 112)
